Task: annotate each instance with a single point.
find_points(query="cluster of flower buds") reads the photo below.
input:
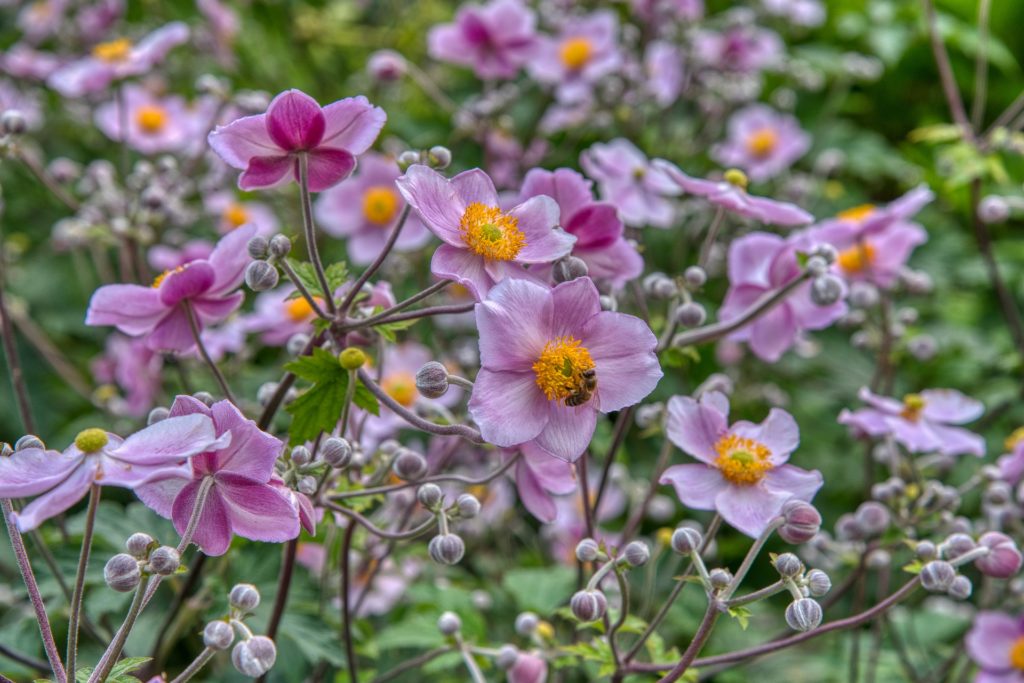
(302, 469)
(994, 554)
(261, 273)
(803, 613)
(826, 287)
(438, 157)
(145, 557)
(590, 603)
(252, 655)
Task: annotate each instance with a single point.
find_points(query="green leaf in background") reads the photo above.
(319, 408)
(120, 673)
(540, 590)
(336, 274)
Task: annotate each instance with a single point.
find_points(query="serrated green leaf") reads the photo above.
(388, 330)
(318, 409)
(741, 615)
(119, 673)
(336, 273)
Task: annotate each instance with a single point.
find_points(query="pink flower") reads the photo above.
(552, 360)
(164, 257)
(23, 61)
(529, 668)
(115, 60)
(996, 644)
(584, 52)
(365, 209)
(157, 313)
(495, 39)
(595, 225)
(762, 142)
(746, 49)
(278, 318)
(539, 478)
(232, 212)
(267, 146)
(734, 197)
(631, 183)
(1011, 465)
(758, 263)
(97, 457)
(154, 124)
(663, 67)
(242, 500)
(135, 369)
(921, 422)
(743, 475)
(482, 244)
(653, 11)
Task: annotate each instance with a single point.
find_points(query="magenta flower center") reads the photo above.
(566, 372)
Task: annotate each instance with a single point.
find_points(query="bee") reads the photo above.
(584, 391)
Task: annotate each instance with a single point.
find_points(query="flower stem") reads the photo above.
(357, 286)
(709, 239)
(748, 561)
(411, 664)
(109, 658)
(301, 288)
(197, 664)
(471, 665)
(83, 564)
(310, 232)
(346, 606)
(11, 351)
(384, 315)
(197, 337)
(415, 420)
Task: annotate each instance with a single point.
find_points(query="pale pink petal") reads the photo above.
(257, 511)
(243, 139)
(949, 405)
(352, 124)
(515, 323)
(575, 303)
(622, 347)
(59, 498)
(131, 308)
(799, 483)
(252, 452)
(568, 431)
(508, 407)
(229, 260)
(31, 471)
(436, 201)
(167, 442)
(696, 426)
(213, 533)
(537, 218)
(464, 267)
(750, 508)
(161, 487)
(475, 187)
(697, 486)
(779, 432)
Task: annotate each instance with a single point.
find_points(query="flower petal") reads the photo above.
(568, 431)
(252, 452)
(31, 471)
(352, 124)
(328, 167)
(475, 187)
(213, 532)
(267, 171)
(463, 266)
(949, 405)
(295, 121)
(167, 442)
(779, 432)
(515, 323)
(750, 508)
(537, 218)
(133, 309)
(59, 498)
(622, 347)
(436, 201)
(991, 638)
(242, 140)
(257, 511)
(697, 486)
(508, 407)
(696, 426)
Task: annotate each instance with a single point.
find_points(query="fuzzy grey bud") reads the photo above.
(205, 397)
(432, 380)
(825, 251)
(164, 561)
(993, 209)
(301, 456)
(804, 614)
(261, 276)
(937, 576)
(440, 157)
(336, 452)
(429, 495)
(956, 545)
(691, 314)
(872, 518)
(826, 290)
(468, 505)
(258, 247)
(409, 465)
(408, 158)
(637, 554)
(818, 582)
(686, 540)
(926, 550)
(788, 565)
(507, 657)
(526, 623)
(158, 414)
(218, 635)
(280, 246)
(720, 578)
(695, 277)
(12, 122)
(817, 266)
(244, 597)
(28, 441)
(254, 657)
(449, 623)
(138, 545)
(446, 548)
(307, 485)
(569, 268)
(961, 588)
(587, 550)
(588, 605)
(122, 573)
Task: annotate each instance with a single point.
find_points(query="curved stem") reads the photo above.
(193, 325)
(699, 638)
(301, 289)
(197, 664)
(435, 479)
(709, 239)
(415, 420)
(83, 564)
(474, 669)
(377, 531)
(450, 309)
(310, 232)
(386, 314)
(357, 286)
(751, 555)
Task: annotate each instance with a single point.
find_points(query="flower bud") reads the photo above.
(164, 561)
(138, 545)
(429, 495)
(998, 493)
(956, 545)
(802, 522)
(569, 268)
(961, 588)
(872, 518)
(158, 414)
(469, 505)
(818, 582)
(1003, 560)
(637, 554)
(587, 550)
(937, 576)
(695, 277)
(122, 573)
(449, 623)
(254, 657)
(446, 549)
(352, 358)
(507, 656)
(825, 251)
(826, 290)
(294, 346)
(926, 550)
(720, 578)
(804, 614)
(993, 209)
(301, 456)
(280, 246)
(608, 303)
(258, 247)
(336, 452)
(588, 605)
(12, 122)
(529, 668)
(28, 441)
(307, 485)
(407, 159)
(409, 465)
(686, 540)
(244, 597)
(218, 635)
(386, 65)
(432, 380)
(526, 623)
(261, 276)
(690, 314)
(439, 156)
(817, 266)
(788, 565)
(923, 347)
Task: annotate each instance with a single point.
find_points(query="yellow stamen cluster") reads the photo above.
(151, 119)
(91, 440)
(380, 204)
(742, 461)
(113, 51)
(1017, 654)
(857, 214)
(560, 368)
(299, 309)
(160, 278)
(400, 386)
(913, 404)
(856, 259)
(762, 142)
(576, 52)
(490, 233)
(1014, 438)
(235, 215)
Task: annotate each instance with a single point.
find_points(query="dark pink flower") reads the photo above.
(495, 39)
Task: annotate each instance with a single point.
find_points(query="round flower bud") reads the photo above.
(588, 605)
(280, 246)
(352, 358)
(818, 582)
(637, 554)
(261, 276)
(960, 589)
(258, 247)
(336, 452)
(720, 578)
(926, 550)
(825, 251)
(526, 623)
(1003, 560)
(469, 505)
(608, 303)
(817, 266)
(449, 623)
(872, 518)
(294, 346)
(956, 545)
(138, 545)
(937, 576)
(28, 441)
(691, 314)
(695, 277)
(998, 493)
(735, 176)
(254, 657)
(507, 656)
(164, 561)
(91, 440)
(307, 485)
(804, 614)
(993, 209)
(923, 347)
(409, 465)
(386, 65)
(686, 540)
(244, 597)
(446, 548)
(407, 159)
(122, 573)
(429, 495)
(158, 414)
(878, 558)
(587, 550)
(12, 122)
(802, 522)
(432, 380)
(439, 156)
(218, 635)
(826, 289)
(569, 268)
(788, 565)
(301, 456)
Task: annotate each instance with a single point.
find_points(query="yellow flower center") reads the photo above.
(1014, 438)
(235, 215)
(380, 203)
(735, 176)
(490, 233)
(742, 461)
(762, 142)
(565, 371)
(298, 309)
(151, 119)
(857, 214)
(160, 278)
(856, 259)
(400, 386)
(113, 51)
(91, 440)
(576, 52)
(913, 404)
(1017, 654)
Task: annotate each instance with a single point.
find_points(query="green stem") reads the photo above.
(83, 564)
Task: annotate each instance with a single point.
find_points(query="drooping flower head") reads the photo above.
(482, 243)
(158, 312)
(743, 474)
(552, 360)
(628, 180)
(921, 422)
(762, 142)
(494, 39)
(267, 147)
(366, 207)
(996, 644)
(600, 242)
(242, 499)
(98, 457)
(584, 52)
(152, 124)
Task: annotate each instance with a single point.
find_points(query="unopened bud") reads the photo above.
(261, 276)
(158, 414)
(637, 554)
(386, 65)
(432, 380)
(1003, 559)
(449, 623)
(588, 605)
(587, 550)
(926, 550)
(686, 540)
(352, 358)
(507, 656)
(28, 441)
(336, 452)
(872, 518)
(407, 159)
(956, 545)
(526, 623)
(164, 561)
(788, 565)
(301, 456)
(569, 268)
(691, 314)
(961, 588)
(218, 635)
(804, 614)
(122, 573)
(258, 247)
(12, 122)
(695, 277)
(244, 597)
(993, 209)
(254, 657)
(818, 582)
(439, 156)
(429, 495)
(409, 465)
(468, 505)
(280, 246)
(138, 545)
(826, 290)
(446, 548)
(817, 266)
(307, 485)
(937, 576)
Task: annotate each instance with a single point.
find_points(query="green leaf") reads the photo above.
(742, 615)
(336, 274)
(120, 673)
(319, 407)
(388, 330)
(539, 590)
